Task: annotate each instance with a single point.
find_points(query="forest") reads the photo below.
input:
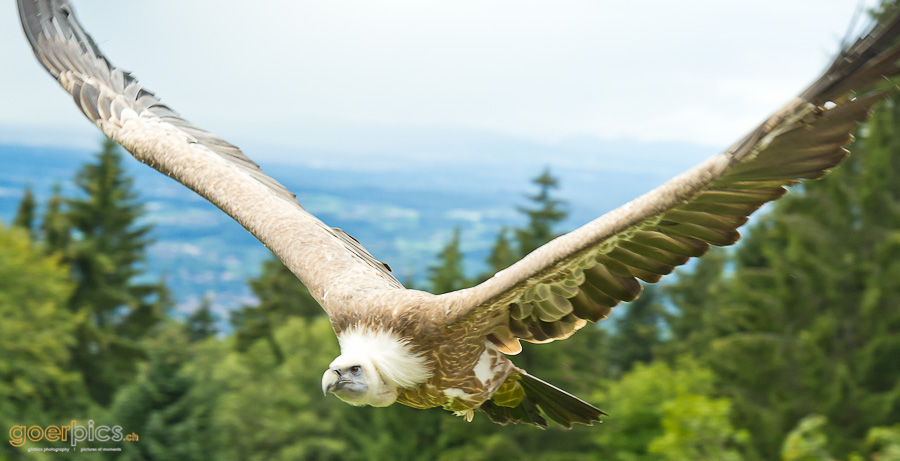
(786, 346)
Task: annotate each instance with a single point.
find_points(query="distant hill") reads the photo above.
(403, 217)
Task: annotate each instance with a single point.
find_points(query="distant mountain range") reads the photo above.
(404, 217)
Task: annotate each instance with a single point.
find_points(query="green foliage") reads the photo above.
(658, 411)
(698, 427)
(36, 329)
(502, 254)
(163, 406)
(636, 332)
(36, 332)
(281, 296)
(729, 362)
(883, 443)
(447, 275)
(104, 245)
(543, 215)
(807, 442)
(267, 410)
(201, 324)
(804, 320)
(25, 213)
(695, 296)
(54, 229)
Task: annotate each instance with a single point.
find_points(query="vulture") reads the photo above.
(451, 350)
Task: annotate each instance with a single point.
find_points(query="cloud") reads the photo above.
(346, 76)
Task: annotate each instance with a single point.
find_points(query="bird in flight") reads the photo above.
(450, 350)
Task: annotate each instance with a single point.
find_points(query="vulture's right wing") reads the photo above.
(335, 267)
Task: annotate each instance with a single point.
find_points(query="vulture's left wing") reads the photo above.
(580, 276)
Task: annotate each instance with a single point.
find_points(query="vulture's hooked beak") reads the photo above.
(330, 380)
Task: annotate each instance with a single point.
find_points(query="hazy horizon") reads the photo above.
(384, 86)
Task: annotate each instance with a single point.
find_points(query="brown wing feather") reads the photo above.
(580, 276)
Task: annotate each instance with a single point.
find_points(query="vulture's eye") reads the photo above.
(355, 369)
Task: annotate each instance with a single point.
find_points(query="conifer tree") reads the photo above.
(544, 213)
(163, 406)
(201, 324)
(502, 254)
(447, 275)
(55, 230)
(25, 213)
(105, 246)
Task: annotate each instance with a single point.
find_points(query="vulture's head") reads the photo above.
(355, 380)
(373, 367)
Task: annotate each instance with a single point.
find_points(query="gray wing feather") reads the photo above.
(54, 34)
(356, 248)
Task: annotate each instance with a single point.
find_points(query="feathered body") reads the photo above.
(439, 364)
(454, 371)
(416, 372)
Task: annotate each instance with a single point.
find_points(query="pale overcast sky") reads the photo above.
(334, 81)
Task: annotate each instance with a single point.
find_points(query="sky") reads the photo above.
(389, 84)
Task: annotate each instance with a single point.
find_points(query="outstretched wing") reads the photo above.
(333, 265)
(580, 276)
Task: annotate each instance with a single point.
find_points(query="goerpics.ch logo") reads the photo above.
(72, 433)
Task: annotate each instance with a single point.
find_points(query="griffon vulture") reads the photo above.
(423, 350)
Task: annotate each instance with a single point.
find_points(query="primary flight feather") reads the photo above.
(450, 350)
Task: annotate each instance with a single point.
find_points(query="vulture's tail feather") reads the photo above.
(555, 403)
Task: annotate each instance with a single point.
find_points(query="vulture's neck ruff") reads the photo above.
(388, 360)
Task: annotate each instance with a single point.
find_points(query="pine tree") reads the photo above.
(546, 211)
(544, 214)
(447, 275)
(55, 229)
(25, 214)
(105, 246)
(502, 254)
(163, 406)
(201, 324)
